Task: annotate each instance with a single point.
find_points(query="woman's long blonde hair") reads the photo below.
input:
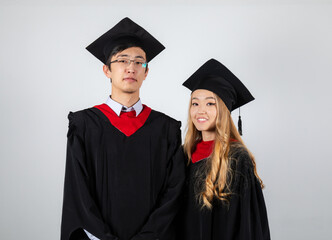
(219, 173)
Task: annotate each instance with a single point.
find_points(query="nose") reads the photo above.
(201, 109)
(130, 67)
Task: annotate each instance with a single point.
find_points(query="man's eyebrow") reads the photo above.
(139, 57)
(126, 55)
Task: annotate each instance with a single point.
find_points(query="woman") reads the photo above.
(223, 195)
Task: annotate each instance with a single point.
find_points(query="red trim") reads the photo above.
(127, 123)
(203, 150)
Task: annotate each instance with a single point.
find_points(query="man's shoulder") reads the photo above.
(82, 115)
(160, 116)
(78, 114)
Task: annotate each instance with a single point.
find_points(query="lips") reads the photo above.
(202, 120)
(130, 79)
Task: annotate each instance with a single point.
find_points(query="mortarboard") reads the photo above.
(126, 31)
(215, 77)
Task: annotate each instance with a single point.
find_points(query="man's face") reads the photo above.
(127, 78)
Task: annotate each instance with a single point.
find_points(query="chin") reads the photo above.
(130, 91)
(200, 128)
(204, 128)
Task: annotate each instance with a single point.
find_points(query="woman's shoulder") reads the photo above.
(242, 168)
(240, 158)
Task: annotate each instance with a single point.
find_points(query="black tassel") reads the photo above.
(239, 123)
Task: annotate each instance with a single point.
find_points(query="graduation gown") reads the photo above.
(243, 218)
(120, 187)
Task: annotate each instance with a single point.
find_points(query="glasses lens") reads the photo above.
(124, 62)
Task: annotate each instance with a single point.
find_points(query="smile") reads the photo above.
(202, 120)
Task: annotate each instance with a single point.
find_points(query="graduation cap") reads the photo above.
(126, 31)
(215, 77)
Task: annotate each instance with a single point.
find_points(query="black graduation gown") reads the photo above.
(244, 218)
(119, 187)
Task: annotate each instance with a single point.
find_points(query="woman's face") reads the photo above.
(203, 112)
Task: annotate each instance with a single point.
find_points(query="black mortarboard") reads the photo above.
(126, 31)
(215, 77)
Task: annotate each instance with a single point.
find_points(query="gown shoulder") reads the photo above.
(162, 116)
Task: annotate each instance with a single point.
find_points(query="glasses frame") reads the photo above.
(144, 65)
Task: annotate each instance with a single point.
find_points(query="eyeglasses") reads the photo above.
(125, 62)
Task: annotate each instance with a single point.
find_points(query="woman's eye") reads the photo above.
(211, 104)
(194, 104)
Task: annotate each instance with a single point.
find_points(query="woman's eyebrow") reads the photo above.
(196, 98)
(210, 98)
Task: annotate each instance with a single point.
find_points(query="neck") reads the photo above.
(126, 99)
(208, 135)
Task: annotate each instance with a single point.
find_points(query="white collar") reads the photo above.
(118, 107)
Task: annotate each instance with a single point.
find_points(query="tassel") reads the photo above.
(239, 123)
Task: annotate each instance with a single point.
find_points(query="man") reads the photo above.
(124, 172)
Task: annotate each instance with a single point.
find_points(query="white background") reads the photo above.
(281, 50)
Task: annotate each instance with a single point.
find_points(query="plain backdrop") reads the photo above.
(281, 50)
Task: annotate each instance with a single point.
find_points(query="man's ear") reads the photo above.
(107, 71)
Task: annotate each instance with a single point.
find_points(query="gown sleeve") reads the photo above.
(245, 217)
(79, 208)
(159, 225)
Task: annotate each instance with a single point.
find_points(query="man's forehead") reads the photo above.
(133, 52)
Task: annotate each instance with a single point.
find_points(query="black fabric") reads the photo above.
(119, 187)
(215, 77)
(243, 218)
(123, 32)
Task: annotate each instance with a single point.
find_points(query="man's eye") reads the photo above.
(122, 61)
(139, 63)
